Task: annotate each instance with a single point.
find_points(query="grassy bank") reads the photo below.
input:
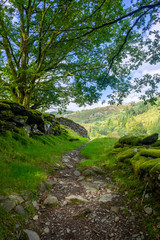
(100, 152)
(25, 163)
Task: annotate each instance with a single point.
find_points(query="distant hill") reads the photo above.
(116, 121)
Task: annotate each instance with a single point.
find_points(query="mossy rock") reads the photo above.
(6, 114)
(118, 145)
(156, 144)
(123, 156)
(130, 140)
(4, 106)
(137, 161)
(154, 153)
(147, 166)
(150, 139)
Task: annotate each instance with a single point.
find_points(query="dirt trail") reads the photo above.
(100, 214)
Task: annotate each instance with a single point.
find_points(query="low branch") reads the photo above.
(123, 44)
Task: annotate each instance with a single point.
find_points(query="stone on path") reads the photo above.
(20, 210)
(116, 219)
(106, 198)
(77, 173)
(115, 209)
(88, 172)
(97, 170)
(50, 182)
(51, 200)
(31, 235)
(73, 198)
(8, 205)
(46, 230)
(148, 210)
(16, 198)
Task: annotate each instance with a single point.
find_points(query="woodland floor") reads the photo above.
(114, 218)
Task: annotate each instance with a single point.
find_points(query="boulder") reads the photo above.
(150, 139)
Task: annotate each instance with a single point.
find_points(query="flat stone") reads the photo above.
(106, 198)
(65, 159)
(77, 173)
(46, 230)
(42, 187)
(31, 235)
(16, 198)
(8, 204)
(115, 209)
(75, 198)
(35, 218)
(148, 210)
(69, 166)
(81, 178)
(97, 170)
(51, 200)
(88, 172)
(116, 219)
(50, 182)
(20, 210)
(34, 203)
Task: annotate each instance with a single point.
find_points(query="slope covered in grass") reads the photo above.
(24, 163)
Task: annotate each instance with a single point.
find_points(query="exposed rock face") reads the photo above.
(14, 116)
(74, 126)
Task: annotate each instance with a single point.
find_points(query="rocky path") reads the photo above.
(84, 208)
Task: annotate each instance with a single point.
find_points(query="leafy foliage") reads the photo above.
(54, 52)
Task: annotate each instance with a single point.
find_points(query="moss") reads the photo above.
(36, 112)
(137, 161)
(126, 154)
(147, 166)
(4, 106)
(130, 140)
(2, 123)
(7, 114)
(154, 153)
(156, 169)
(21, 131)
(156, 144)
(118, 145)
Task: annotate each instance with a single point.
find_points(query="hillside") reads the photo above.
(116, 121)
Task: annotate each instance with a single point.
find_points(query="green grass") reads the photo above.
(100, 152)
(25, 163)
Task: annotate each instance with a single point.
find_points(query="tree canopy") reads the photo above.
(57, 51)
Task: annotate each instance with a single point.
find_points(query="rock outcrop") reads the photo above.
(74, 126)
(144, 156)
(14, 116)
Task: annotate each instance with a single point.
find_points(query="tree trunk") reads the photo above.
(24, 97)
(27, 99)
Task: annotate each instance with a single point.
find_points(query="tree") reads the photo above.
(54, 51)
